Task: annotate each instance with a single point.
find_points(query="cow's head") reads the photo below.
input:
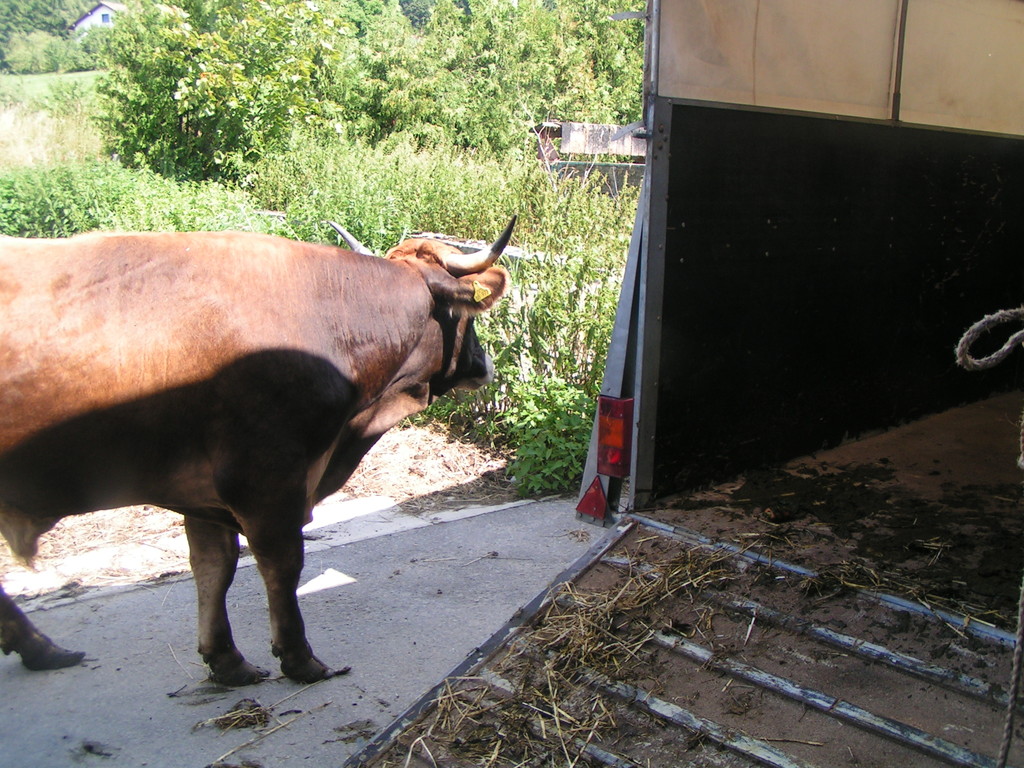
(462, 285)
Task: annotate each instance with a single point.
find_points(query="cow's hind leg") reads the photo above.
(279, 557)
(281, 415)
(19, 635)
(213, 554)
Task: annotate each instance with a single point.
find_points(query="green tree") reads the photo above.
(92, 44)
(207, 87)
(358, 13)
(37, 52)
(481, 73)
(28, 54)
(53, 17)
(417, 11)
(395, 88)
(204, 91)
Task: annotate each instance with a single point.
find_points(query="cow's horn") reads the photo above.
(350, 241)
(478, 261)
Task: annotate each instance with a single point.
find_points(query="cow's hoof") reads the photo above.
(47, 655)
(310, 671)
(237, 674)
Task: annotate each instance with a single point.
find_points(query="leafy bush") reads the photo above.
(380, 193)
(202, 90)
(203, 94)
(550, 339)
(481, 73)
(68, 199)
(548, 422)
(32, 53)
(37, 52)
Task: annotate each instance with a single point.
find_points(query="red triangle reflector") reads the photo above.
(594, 502)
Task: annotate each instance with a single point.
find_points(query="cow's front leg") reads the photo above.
(213, 554)
(19, 635)
(279, 557)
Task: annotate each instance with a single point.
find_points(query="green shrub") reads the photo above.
(381, 193)
(72, 97)
(60, 201)
(37, 52)
(31, 53)
(200, 91)
(68, 199)
(481, 73)
(548, 421)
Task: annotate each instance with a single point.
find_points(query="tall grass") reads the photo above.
(102, 195)
(39, 137)
(47, 119)
(383, 192)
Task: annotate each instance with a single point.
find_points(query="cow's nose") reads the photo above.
(479, 381)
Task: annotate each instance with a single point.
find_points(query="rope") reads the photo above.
(963, 356)
(964, 359)
(1018, 655)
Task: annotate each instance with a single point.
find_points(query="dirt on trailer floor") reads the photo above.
(931, 510)
(853, 608)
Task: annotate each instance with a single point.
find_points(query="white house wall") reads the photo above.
(95, 19)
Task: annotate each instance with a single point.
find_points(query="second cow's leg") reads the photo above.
(213, 554)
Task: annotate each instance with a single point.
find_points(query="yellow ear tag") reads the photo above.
(480, 292)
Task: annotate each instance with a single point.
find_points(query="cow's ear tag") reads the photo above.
(480, 292)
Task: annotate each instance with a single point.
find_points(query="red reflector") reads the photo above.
(614, 435)
(594, 502)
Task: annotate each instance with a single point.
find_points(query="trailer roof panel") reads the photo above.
(946, 63)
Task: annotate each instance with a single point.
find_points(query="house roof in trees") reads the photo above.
(113, 6)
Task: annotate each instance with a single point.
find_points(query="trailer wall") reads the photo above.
(814, 276)
(834, 193)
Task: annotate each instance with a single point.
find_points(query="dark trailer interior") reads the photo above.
(816, 276)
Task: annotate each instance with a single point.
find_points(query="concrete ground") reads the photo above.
(400, 599)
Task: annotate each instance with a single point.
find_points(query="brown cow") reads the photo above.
(235, 378)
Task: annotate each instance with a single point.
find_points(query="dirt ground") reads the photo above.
(420, 468)
(848, 609)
